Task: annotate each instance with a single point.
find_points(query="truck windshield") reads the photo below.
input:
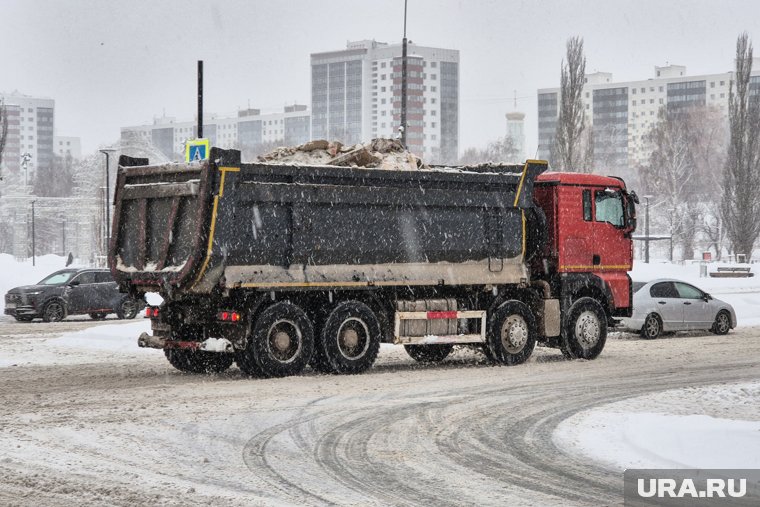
(609, 207)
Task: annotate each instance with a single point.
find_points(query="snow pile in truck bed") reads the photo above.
(378, 153)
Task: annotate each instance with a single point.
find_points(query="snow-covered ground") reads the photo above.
(714, 426)
(653, 431)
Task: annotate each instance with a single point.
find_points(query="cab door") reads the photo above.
(610, 248)
(576, 220)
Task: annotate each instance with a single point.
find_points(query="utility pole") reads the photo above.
(403, 83)
(200, 99)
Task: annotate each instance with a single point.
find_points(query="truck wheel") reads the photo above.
(511, 333)
(428, 353)
(54, 311)
(281, 343)
(349, 341)
(198, 361)
(585, 330)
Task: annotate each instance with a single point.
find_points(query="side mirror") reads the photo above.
(74, 283)
(707, 297)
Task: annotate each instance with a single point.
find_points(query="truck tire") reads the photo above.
(428, 353)
(511, 335)
(198, 361)
(585, 331)
(281, 342)
(349, 341)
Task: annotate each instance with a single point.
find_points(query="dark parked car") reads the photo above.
(71, 292)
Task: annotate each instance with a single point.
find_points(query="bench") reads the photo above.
(732, 272)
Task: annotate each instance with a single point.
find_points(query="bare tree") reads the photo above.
(572, 145)
(741, 179)
(3, 131)
(687, 148)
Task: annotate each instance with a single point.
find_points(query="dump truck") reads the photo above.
(277, 267)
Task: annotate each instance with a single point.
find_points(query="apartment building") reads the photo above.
(29, 145)
(247, 129)
(622, 114)
(356, 96)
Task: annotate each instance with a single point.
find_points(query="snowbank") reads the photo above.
(706, 427)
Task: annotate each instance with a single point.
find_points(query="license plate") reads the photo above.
(10, 305)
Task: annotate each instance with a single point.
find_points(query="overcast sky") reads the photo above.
(110, 64)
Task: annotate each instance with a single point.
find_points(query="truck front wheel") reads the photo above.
(349, 341)
(511, 334)
(281, 342)
(585, 330)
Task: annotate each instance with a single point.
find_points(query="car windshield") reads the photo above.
(57, 278)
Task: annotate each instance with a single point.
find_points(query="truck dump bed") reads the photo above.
(193, 227)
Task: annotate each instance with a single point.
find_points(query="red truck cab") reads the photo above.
(590, 220)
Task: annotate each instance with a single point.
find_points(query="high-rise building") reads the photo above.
(516, 132)
(29, 145)
(65, 146)
(248, 129)
(356, 96)
(622, 114)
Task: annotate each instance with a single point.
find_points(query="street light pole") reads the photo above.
(403, 83)
(33, 238)
(646, 229)
(108, 199)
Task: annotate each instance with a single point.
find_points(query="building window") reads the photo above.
(433, 76)
(651, 101)
(634, 102)
(382, 88)
(382, 65)
(722, 83)
(433, 89)
(661, 101)
(723, 95)
(643, 90)
(434, 64)
(633, 91)
(432, 124)
(661, 89)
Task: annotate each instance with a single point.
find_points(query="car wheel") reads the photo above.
(98, 316)
(127, 309)
(511, 334)
(54, 311)
(722, 323)
(428, 353)
(198, 361)
(652, 327)
(585, 331)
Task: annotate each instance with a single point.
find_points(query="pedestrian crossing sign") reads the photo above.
(196, 150)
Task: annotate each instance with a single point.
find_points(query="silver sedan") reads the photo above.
(672, 305)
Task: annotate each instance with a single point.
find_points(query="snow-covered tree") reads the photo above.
(501, 150)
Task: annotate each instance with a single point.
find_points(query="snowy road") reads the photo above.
(127, 429)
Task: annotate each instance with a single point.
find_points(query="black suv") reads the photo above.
(71, 292)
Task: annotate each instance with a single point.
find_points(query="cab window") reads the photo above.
(609, 207)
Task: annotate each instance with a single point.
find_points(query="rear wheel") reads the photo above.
(511, 333)
(198, 361)
(428, 353)
(585, 331)
(652, 327)
(54, 311)
(281, 342)
(349, 341)
(722, 323)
